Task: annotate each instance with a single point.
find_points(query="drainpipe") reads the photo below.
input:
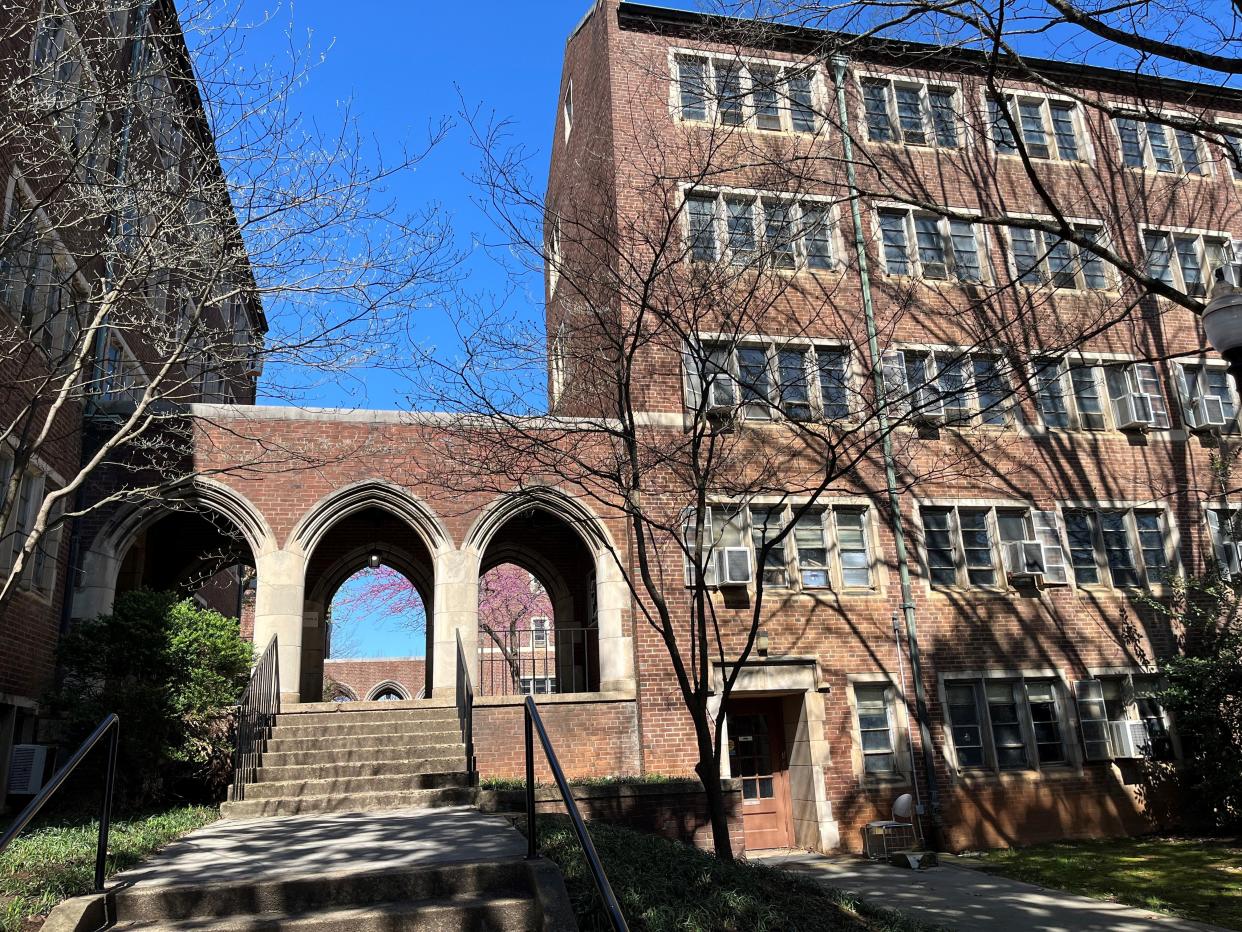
(839, 63)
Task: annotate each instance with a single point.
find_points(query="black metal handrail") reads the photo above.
(465, 704)
(256, 715)
(110, 726)
(534, 724)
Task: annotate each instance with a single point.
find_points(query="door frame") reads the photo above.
(773, 709)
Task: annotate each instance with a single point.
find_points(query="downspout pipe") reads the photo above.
(839, 63)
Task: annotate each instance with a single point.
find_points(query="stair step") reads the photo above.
(384, 783)
(383, 714)
(461, 914)
(278, 745)
(354, 802)
(299, 894)
(359, 768)
(346, 727)
(330, 755)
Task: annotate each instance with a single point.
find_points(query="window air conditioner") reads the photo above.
(928, 406)
(721, 394)
(1204, 412)
(1229, 554)
(1130, 740)
(1134, 410)
(27, 767)
(1228, 275)
(1024, 558)
(733, 568)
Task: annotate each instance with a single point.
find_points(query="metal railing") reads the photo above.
(256, 714)
(110, 727)
(534, 725)
(525, 662)
(465, 704)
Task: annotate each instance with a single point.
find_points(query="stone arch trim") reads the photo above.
(588, 525)
(115, 536)
(378, 688)
(342, 503)
(422, 578)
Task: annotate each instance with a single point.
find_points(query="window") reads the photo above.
(34, 284)
(537, 685)
(912, 112)
(982, 546)
(1040, 257)
(828, 546)
(749, 230)
(569, 108)
(1006, 724)
(1225, 531)
(1233, 153)
(539, 631)
(40, 574)
(758, 380)
(947, 386)
(1159, 147)
(768, 97)
(553, 258)
(1128, 546)
(1094, 395)
(1049, 129)
(877, 731)
(1186, 261)
(927, 246)
(1207, 395)
(1108, 705)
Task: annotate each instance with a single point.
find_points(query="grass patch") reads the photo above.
(1194, 878)
(504, 784)
(666, 886)
(55, 860)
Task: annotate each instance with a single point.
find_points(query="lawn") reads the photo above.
(1194, 878)
(53, 861)
(666, 886)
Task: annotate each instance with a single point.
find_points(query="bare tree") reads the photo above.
(173, 225)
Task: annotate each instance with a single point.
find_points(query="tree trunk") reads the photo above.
(709, 773)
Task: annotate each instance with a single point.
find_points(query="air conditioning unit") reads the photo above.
(928, 406)
(733, 567)
(1204, 412)
(1023, 558)
(1130, 740)
(1229, 555)
(254, 365)
(721, 393)
(1134, 411)
(1227, 278)
(27, 767)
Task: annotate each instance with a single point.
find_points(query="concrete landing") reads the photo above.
(263, 849)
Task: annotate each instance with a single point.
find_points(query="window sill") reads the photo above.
(1053, 773)
(873, 781)
(749, 128)
(930, 148)
(1171, 176)
(1048, 160)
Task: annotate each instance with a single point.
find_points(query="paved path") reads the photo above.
(258, 849)
(974, 901)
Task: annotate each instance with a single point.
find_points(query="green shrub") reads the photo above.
(172, 671)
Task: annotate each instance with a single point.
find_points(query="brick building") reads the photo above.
(1049, 467)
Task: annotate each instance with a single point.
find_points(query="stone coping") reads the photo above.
(553, 699)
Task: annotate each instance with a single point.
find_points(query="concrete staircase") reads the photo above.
(359, 757)
(510, 895)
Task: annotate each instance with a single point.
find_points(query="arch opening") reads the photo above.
(538, 627)
(368, 591)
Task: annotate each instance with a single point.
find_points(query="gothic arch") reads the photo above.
(372, 493)
(546, 498)
(393, 685)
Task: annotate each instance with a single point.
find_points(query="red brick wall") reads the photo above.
(591, 739)
(362, 676)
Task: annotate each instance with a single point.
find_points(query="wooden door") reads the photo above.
(757, 757)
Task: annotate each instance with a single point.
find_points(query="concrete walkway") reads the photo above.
(974, 901)
(262, 849)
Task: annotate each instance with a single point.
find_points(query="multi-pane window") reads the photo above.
(1040, 257)
(877, 732)
(749, 230)
(912, 112)
(1208, 396)
(1186, 261)
(34, 284)
(539, 631)
(1097, 395)
(1048, 128)
(758, 380)
(1127, 546)
(946, 385)
(1130, 699)
(928, 246)
(1006, 724)
(1233, 153)
(984, 545)
(769, 97)
(1159, 147)
(1225, 530)
(827, 546)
